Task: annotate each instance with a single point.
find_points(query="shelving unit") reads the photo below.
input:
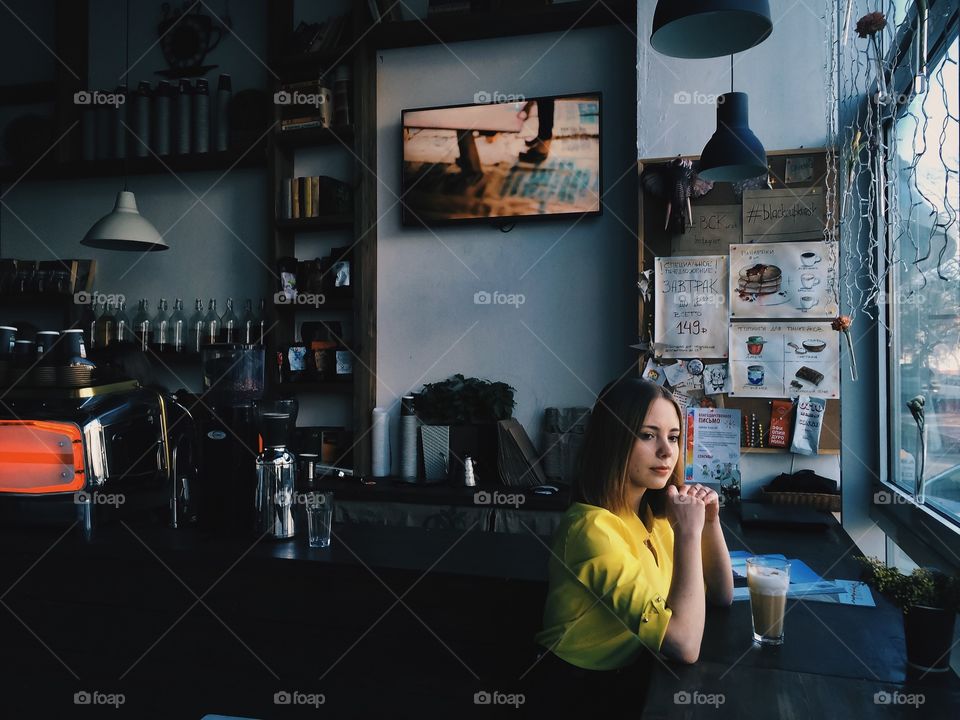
(359, 141)
(783, 451)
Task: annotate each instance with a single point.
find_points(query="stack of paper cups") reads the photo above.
(381, 442)
(408, 439)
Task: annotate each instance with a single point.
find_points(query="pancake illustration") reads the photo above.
(760, 279)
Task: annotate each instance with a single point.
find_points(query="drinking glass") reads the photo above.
(769, 580)
(319, 518)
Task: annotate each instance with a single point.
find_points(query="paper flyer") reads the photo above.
(691, 307)
(784, 359)
(712, 446)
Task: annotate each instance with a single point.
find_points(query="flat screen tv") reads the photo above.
(529, 158)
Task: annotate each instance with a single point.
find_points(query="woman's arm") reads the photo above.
(716, 558)
(686, 599)
(716, 564)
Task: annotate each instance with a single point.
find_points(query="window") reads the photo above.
(924, 306)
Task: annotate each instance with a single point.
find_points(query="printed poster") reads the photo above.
(784, 280)
(691, 307)
(712, 446)
(778, 360)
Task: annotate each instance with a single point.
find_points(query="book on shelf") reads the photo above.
(313, 196)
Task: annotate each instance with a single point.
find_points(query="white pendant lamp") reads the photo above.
(124, 229)
(709, 28)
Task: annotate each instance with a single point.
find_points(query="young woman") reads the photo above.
(637, 556)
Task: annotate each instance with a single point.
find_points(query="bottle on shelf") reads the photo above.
(96, 310)
(122, 323)
(262, 318)
(178, 325)
(222, 120)
(160, 328)
(249, 327)
(141, 325)
(198, 327)
(106, 326)
(229, 324)
(200, 141)
(184, 120)
(161, 120)
(211, 323)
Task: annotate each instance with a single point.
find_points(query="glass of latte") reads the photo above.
(768, 579)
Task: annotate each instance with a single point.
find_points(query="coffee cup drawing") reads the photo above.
(755, 374)
(807, 302)
(808, 281)
(809, 259)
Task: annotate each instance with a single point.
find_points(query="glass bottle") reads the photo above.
(160, 328)
(249, 328)
(198, 327)
(229, 324)
(97, 310)
(106, 326)
(211, 330)
(178, 325)
(141, 325)
(122, 324)
(262, 318)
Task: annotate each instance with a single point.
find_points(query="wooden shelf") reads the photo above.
(503, 23)
(200, 162)
(322, 386)
(311, 137)
(328, 222)
(331, 303)
(783, 451)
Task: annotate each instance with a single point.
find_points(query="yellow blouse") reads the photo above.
(607, 595)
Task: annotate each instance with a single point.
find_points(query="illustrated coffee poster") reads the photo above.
(778, 360)
(784, 280)
(783, 214)
(691, 306)
(712, 446)
(711, 232)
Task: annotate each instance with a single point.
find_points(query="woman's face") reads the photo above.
(656, 449)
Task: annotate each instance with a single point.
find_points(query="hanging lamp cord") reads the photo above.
(126, 77)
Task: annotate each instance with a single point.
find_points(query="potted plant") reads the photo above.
(929, 600)
(465, 410)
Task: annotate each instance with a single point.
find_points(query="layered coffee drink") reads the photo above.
(769, 580)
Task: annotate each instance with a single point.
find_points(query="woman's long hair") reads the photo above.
(614, 426)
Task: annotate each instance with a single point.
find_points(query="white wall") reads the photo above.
(571, 335)
(784, 77)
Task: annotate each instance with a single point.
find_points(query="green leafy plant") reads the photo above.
(464, 401)
(921, 587)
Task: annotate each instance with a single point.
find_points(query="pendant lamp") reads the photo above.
(709, 28)
(125, 228)
(733, 153)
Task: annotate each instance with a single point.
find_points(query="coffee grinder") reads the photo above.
(233, 383)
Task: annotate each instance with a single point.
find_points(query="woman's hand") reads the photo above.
(685, 511)
(711, 501)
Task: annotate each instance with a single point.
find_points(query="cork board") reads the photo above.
(718, 221)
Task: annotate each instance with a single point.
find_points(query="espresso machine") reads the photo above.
(276, 471)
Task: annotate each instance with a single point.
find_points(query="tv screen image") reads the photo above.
(532, 158)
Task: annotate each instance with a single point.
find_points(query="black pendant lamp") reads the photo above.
(709, 28)
(733, 153)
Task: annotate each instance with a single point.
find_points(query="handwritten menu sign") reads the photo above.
(691, 307)
(784, 280)
(783, 214)
(784, 359)
(712, 230)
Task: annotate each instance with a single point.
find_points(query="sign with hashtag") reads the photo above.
(783, 214)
